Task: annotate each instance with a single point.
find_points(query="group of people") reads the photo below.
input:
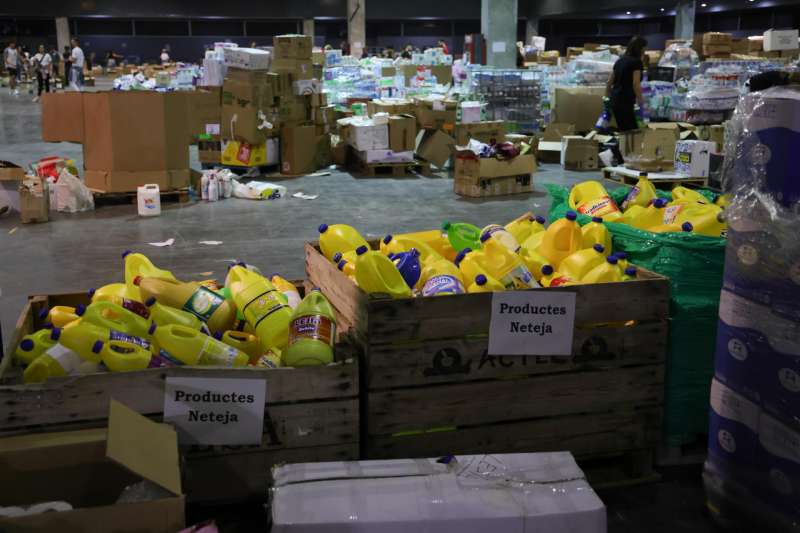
(44, 65)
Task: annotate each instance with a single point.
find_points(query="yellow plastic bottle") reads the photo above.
(551, 278)
(577, 265)
(432, 238)
(164, 315)
(244, 342)
(191, 347)
(59, 315)
(629, 273)
(114, 317)
(61, 361)
(122, 356)
(441, 278)
(339, 238)
(207, 305)
(502, 235)
(505, 266)
(672, 228)
(562, 239)
(722, 200)
(534, 241)
(470, 262)
(651, 215)
(288, 289)
(622, 259)
(133, 306)
(312, 332)
(348, 268)
(595, 232)
(705, 219)
(138, 265)
(33, 345)
(538, 224)
(606, 272)
(520, 228)
(376, 273)
(264, 307)
(113, 289)
(631, 214)
(271, 359)
(534, 261)
(484, 283)
(81, 336)
(395, 245)
(591, 198)
(641, 194)
(684, 195)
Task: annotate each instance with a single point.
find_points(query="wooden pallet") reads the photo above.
(390, 170)
(180, 196)
(662, 180)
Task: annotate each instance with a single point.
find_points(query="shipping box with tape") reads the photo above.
(486, 132)
(402, 133)
(580, 106)
(303, 151)
(435, 146)
(293, 46)
(436, 113)
(247, 99)
(204, 109)
(248, 58)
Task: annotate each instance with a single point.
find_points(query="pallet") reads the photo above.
(429, 387)
(690, 453)
(662, 180)
(311, 413)
(180, 196)
(390, 170)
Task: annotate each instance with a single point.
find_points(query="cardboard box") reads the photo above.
(469, 167)
(306, 87)
(392, 106)
(299, 69)
(493, 187)
(388, 72)
(436, 114)
(776, 40)
(554, 131)
(470, 112)
(90, 469)
(716, 49)
(755, 43)
(11, 172)
(368, 136)
(579, 106)
(241, 154)
(293, 47)
(649, 143)
(34, 201)
(324, 116)
(717, 38)
(692, 158)
(386, 156)
(292, 112)
(212, 156)
(204, 108)
(487, 131)
(549, 152)
(578, 153)
(402, 133)
(573, 51)
(129, 181)
(435, 146)
(62, 117)
(246, 95)
(443, 73)
(303, 151)
(248, 58)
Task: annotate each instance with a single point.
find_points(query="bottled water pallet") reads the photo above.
(390, 170)
(662, 180)
(311, 413)
(429, 387)
(180, 196)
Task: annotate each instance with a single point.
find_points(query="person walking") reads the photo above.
(11, 60)
(78, 59)
(67, 66)
(42, 63)
(624, 84)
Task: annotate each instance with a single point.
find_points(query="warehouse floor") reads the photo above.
(76, 252)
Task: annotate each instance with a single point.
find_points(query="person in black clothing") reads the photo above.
(624, 85)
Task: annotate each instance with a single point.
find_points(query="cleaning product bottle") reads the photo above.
(502, 235)
(723, 200)
(622, 259)
(164, 315)
(641, 194)
(534, 241)
(114, 317)
(80, 337)
(399, 244)
(311, 332)
(563, 238)
(591, 198)
(288, 289)
(463, 235)
(271, 359)
(60, 361)
(470, 263)
(59, 315)
(122, 356)
(534, 261)
(651, 215)
(705, 219)
(551, 278)
(375, 273)
(442, 278)
(629, 273)
(264, 307)
(484, 283)
(520, 228)
(681, 194)
(538, 224)
(244, 342)
(606, 272)
(505, 266)
(432, 238)
(577, 265)
(33, 345)
(191, 347)
(350, 257)
(131, 305)
(409, 266)
(113, 289)
(138, 265)
(339, 238)
(207, 305)
(595, 232)
(632, 213)
(348, 269)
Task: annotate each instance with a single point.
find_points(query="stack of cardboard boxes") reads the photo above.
(716, 44)
(382, 139)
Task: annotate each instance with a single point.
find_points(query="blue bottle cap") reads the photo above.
(392, 256)
(480, 279)
(26, 345)
(126, 253)
(55, 334)
(97, 346)
(361, 250)
(687, 227)
(621, 255)
(43, 313)
(485, 237)
(599, 220)
(152, 328)
(612, 259)
(150, 301)
(322, 228)
(80, 309)
(273, 275)
(630, 271)
(461, 255)
(660, 202)
(414, 252)
(218, 335)
(91, 292)
(571, 215)
(341, 264)
(540, 219)
(47, 325)
(337, 257)
(387, 239)
(547, 270)
(599, 248)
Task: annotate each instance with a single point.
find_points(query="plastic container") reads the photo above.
(122, 356)
(392, 244)
(61, 361)
(520, 229)
(409, 266)
(60, 315)
(376, 273)
(115, 289)
(164, 315)
(652, 215)
(148, 198)
(595, 232)
(138, 265)
(463, 235)
(641, 194)
(207, 305)
(244, 342)
(442, 278)
(339, 238)
(502, 235)
(682, 194)
(312, 332)
(551, 278)
(534, 261)
(484, 283)
(191, 347)
(592, 199)
(577, 265)
(470, 263)
(288, 289)
(562, 239)
(126, 303)
(629, 273)
(506, 266)
(33, 345)
(114, 317)
(432, 238)
(606, 272)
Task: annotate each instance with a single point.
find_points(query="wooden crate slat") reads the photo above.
(466, 359)
(487, 402)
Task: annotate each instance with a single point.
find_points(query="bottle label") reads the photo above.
(598, 207)
(315, 327)
(164, 359)
(559, 281)
(671, 213)
(136, 307)
(66, 358)
(631, 196)
(216, 353)
(203, 303)
(443, 284)
(262, 306)
(114, 335)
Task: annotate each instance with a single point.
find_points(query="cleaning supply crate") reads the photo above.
(311, 413)
(430, 388)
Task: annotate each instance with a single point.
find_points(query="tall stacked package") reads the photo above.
(753, 464)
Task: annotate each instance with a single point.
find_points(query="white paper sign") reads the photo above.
(212, 129)
(532, 323)
(215, 411)
(498, 47)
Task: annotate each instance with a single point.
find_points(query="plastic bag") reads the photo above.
(68, 194)
(258, 190)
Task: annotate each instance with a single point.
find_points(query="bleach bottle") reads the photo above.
(264, 307)
(442, 278)
(506, 266)
(312, 332)
(562, 239)
(33, 345)
(376, 273)
(339, 238)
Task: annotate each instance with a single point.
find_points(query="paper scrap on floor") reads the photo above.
(304, 196)
(168, 242)
(210, 243)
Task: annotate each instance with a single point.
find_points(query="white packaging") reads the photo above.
(692, 158)
(248, 58)
(524, 493)
(148, 198)
(775, 40)
(369, 136)
(470, 112)
(386, 156)
(303, 87)
(213, 73)
(219, 49)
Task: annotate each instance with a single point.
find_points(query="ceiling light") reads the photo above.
(662, 9)
(627, 12)
(703, 5)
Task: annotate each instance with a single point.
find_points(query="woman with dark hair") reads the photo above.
(624, 85)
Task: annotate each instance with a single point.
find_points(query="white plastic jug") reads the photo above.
(149, 200)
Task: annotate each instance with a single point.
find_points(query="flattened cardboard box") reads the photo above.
(482, 131)
(435, 146)
(62, 117)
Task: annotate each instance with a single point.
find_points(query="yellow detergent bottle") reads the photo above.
(395, 245)
(113, 289)
(641, 194)
(244, 342)
(651, 215)
(520, 228)
(538, 224)
(591, 198)
(551, 278)
(631, 214)
(348, 268)
(264, 307)
(61, 361)
(672, 228)
(288, 289)
(350, 257)
(534, 261)
(271, 359)
(562, 239)
(376, 273)
(595, 232)
(684, 195)
(722, 200)
(484, 283)
(114, 317)
(339, 238)
(59, 315)
(432, 238)
(606, 272)
(629, 273)
(705, 219)
(622, 259)
(164, 315)
(577, 265)
(207, 305)
(191, 347)
(312, 332)
(80, 337)
(121, 356)
(502, 235)
(441, 278)
(33, 345)
(470, 263)
(505, 266)
(534, 241)
(138, 265)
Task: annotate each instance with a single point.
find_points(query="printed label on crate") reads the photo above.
(216, 411)
(532, 323)
(212, 129)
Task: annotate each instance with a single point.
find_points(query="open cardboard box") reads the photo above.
(90, 469)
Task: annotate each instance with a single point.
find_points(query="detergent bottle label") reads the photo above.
(217, 353)
(598, 207)
(631, 196)
(114, 335)
(66, 358)
(672, 212)
(136, 307)
(262, 306)
(164, 359)
(315, 327)
(559, 281)
(203, 303)
(443, 284)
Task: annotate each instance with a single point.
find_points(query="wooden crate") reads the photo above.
(430, 388)
(311, 414)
